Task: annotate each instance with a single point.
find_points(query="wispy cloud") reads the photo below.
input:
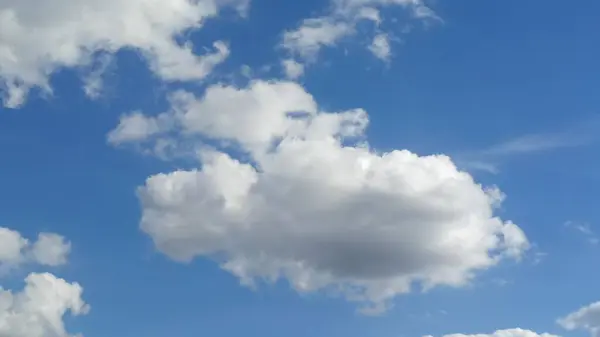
(488, 159)
(584, 229)
(537, 143)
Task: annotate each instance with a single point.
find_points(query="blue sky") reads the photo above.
(506, 89)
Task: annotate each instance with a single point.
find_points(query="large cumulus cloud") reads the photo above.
(313, 203)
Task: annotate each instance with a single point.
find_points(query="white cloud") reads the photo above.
(586, 318)
(12, 245)
(39, 309)
(49, 249)
(39, 37)
(314, 34)
(292, 68)
(316, 207)
(505, 333)
(326, 31)
(380, 47)
(251, 116)
(134, 127)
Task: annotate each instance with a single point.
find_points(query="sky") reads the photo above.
(368, 168)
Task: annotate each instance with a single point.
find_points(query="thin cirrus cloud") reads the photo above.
(30, 32)
(488, 159)
(318, 207)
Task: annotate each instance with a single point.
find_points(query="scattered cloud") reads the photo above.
(40, 37)
(315, 205)
(587, 318)
(49, 249)
(40, 308)
(313, 34)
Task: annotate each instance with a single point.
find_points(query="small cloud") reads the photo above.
(501, 282)
(380, 47)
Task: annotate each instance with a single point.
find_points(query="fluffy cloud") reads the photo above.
(326, 31)
(252, 117)
(505, 333)
(39, 37)
(586, 318)
(49, 249)
(39, 309)
(313, 204)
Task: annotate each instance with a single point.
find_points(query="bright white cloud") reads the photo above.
(39, 309)
(39, 37)
(505, 333)
(326, 31)
(49, 249)
(315, 209)
(586, 318)
(252, 117)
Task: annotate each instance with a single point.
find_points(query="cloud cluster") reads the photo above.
(313, 34)
(312, 203)
(39, 37)
(49, 249)
(39, 309)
